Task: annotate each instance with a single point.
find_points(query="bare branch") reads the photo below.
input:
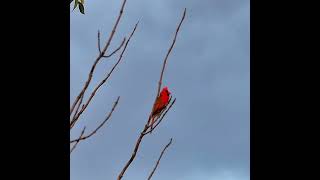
(124, 40)
(99, 47)
(106, 78)
(76, 112)
(81, 99)
(98, 59)
(169, 51)
(95, 131)
(143, 133)
(115, 27)
(165, 60)
(73, 119)
(134, 153)
(154, 169)
(74, 146)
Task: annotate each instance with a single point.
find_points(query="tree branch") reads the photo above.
(105, 79)
(98, 59)
(133, 155)
(143, 132)
(99, 46)
(154, 169)
(76, 112)
(74, 146)
(115, 27)
(165, 60)
(169, 51)
(124, 39)
(95, 131)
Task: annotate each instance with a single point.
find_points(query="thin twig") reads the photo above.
(95, 131)
(124, 40)
(165, 60)
(106, 78)
(134, 153)
(98, 59)
(77, 110)
(74, 146)
(143, 133)
(73, 119)
(115, 27)
(81, 99)
(99, 47)
(169, 51)
(154, 169)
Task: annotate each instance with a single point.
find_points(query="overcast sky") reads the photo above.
(207, 71)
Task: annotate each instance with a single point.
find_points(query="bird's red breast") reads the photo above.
(162, 101)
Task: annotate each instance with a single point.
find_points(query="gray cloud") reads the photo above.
(208, 73)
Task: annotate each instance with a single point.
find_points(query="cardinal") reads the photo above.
(161, 103)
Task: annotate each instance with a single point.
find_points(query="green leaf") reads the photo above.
(75, 4)
(81, 8)
(82, 1)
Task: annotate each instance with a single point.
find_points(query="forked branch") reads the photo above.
(107, 56)
(166, 59)
(76, 117)
(95, 131)
(100, 56)
(77, 141)
(147, 125)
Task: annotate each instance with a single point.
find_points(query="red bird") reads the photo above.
(161, 103)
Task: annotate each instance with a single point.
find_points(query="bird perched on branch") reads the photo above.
(161, 103)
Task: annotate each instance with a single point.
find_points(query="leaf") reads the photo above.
(75, 4)
(81, 8)
(82, 1)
